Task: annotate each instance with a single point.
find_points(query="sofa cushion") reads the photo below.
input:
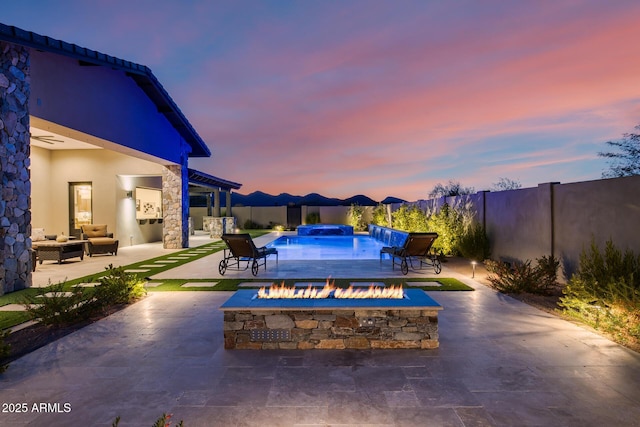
(37, 234)
(95, 230)
(99, 241)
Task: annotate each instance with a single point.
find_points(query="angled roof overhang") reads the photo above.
(141, 74)
(205, 182)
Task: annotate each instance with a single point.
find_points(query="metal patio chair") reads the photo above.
(241, 253)
(416, 247)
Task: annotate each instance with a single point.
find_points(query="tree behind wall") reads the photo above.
(626, 160)
(505, 184)
(453, 188)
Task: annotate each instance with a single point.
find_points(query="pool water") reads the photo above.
(326, 247)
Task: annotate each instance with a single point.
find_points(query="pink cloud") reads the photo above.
(389, 105)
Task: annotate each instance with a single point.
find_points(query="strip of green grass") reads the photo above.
(448, 284)
(12, 318)
(19, 297)
(9, 319)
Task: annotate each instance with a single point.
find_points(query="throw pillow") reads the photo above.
(37, 234)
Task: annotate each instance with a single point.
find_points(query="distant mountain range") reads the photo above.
(258, 198)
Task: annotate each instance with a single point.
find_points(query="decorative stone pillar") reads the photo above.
(209, 204)
(15, 199)
(175, 207)
(216, 202)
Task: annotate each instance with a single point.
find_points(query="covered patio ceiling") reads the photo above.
(200, 182)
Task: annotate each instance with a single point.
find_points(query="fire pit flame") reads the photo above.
(330, 291)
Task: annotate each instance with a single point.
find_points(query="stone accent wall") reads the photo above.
(332, 329)
(15, 201)
(217, 226)
(175, 207)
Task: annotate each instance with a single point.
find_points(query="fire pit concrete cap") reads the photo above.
(415, 299)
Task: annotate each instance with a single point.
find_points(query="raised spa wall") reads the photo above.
(325, 230)
(388, 236)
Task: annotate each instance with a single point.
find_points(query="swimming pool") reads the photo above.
(327, 247)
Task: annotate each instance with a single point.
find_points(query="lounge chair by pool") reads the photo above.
(417, 246)
(240, 250)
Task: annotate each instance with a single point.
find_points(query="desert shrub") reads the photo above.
(518, 277)
(355, 217)
(379, 216)
(5, 349)
(312, 218)
(54, 306)
(605, 292)
(117, 287)
(474, 243)
(548, 267)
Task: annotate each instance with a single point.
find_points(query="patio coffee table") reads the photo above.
(59, 251)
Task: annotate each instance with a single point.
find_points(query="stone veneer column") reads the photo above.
(175, 207)
(15, 200)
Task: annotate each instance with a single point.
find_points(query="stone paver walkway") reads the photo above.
(500, 363)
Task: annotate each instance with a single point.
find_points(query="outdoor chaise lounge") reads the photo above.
(240, 250)
(417, 246)
(98, 240)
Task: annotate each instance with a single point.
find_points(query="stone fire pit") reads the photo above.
(330, 323)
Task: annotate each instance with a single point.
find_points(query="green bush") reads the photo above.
(411, 219)
(117, 287)
(605, 292)
(548, 267)
(250, 225)
(379, 216)
(474, 243)
(355, 217)
(518, 277)
(54, 306)
(5, 349)
(312, 218)
(400, 218)
(449, 224)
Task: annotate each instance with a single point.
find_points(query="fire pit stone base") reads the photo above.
(331, 329)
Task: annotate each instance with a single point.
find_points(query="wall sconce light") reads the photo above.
(129, 194)
(473, 272)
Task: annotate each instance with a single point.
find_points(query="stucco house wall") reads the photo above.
(111, 176)
(73, 92)
(103, 103)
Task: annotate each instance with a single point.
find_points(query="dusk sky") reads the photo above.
(377, 97)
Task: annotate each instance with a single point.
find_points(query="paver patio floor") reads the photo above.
(500, 362)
